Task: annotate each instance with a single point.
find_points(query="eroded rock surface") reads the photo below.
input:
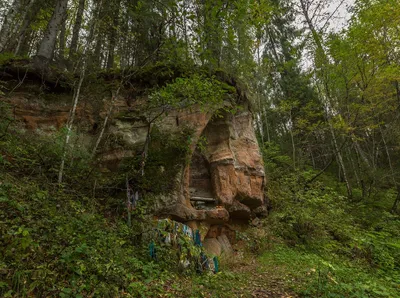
(229, 166)
(224, 181)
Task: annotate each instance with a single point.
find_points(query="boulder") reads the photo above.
(226, 247)
(239, 211)
(212, 246)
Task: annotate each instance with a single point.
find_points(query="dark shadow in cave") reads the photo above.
(200, 187)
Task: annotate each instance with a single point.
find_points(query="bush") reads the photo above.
(308, 214)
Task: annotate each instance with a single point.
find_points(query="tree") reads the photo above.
(47, 44)
(322, 74)
(77, 27)
(6, 28)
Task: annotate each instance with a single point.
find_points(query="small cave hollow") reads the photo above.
(200, 187)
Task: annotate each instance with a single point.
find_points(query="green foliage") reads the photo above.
(208, 93)
(65, 241)
(307, 214)
(329, 276)
(167, 154)
(5, 119)
(276, 163)
(40, 154)
(202, 143)
(331, 246)
(6, 58)
(57, 244)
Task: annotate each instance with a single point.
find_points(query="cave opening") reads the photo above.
(200, 186)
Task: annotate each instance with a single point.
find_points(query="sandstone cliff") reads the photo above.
(220, 185)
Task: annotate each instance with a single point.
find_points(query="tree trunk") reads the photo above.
(360, 151)
(292, 140)
(128, 202)
(47, 45)
(70, 123)
(95, 33)
(340, 159)
(311, 25)
(30, 12)
(97, 56)
(76, 30)
(110, 110)
(320, 61)
(8, 20)
(396, 202)
(354, 168)
(61, 52)
(112, 41)
(388, 156)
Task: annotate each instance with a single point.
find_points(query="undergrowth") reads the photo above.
(70, 241)
(329, 245)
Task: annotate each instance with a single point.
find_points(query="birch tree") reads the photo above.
(6, 28)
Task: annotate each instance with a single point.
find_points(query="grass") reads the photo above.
(313, 275)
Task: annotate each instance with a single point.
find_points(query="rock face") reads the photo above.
(229, 167)
(224, 181)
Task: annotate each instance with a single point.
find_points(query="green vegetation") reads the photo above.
(208, 93)
(71, 243)
(328, 245)
(326, 108)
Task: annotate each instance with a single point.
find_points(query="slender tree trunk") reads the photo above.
(311, 25)
(30, 12)
(26, 12)
(397, 86)
(354, 168)
(110, 110)
(396, 202)
(320, 61)
(61, 52)
(185, 24)
(340, 159)
(77, 29)
(360, 170)
(112, 41)
(312, 158)
(97, 59)
(128, 201)
(360, 151)
(70, 123)
(265, 116)
(96, 12)
(388, 156)
(6, 28)
(293, 144)
(47, 45)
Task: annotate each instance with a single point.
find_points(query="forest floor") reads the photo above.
(262, 281)
(251, 278)
(57, 245)
(282, 271)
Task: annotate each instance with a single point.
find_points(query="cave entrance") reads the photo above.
(200, 187)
